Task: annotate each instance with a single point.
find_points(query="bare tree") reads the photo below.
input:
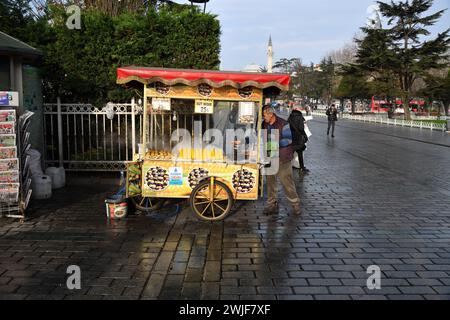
(344, 55)
(39, 8)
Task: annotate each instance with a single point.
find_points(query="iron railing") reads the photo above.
(81, 137)
(395, 122)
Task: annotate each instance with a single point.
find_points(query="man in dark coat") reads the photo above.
(332, 118)
(299, 136)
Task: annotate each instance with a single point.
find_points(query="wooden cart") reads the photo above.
(201, 137)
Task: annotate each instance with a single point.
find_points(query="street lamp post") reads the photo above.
(200, 1)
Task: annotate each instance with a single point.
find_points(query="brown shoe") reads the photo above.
(271, 209)
(296, 209)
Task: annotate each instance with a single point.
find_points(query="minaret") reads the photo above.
(270, 55)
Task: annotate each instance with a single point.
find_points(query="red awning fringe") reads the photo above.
(215, 79)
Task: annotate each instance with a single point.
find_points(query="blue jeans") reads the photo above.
(331, 124)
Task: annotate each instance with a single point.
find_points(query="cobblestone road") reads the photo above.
(374, 197)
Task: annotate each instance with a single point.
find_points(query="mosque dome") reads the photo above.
(252, 68)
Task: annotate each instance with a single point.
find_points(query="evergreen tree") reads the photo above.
(376, 59)
(327, 79)
(353, 85)
(409, 55)
(438, 88)
(395, 57)
(80, 65)
(14, 16)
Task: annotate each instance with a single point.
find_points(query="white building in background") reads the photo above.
(317, 67)
(252, 68)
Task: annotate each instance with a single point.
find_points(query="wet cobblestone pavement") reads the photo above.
(370, 199)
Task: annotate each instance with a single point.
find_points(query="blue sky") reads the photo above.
(308, 29)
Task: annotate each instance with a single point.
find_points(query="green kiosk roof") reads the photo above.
(13, 46)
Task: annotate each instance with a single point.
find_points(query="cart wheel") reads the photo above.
(146, 204)
(212, 208)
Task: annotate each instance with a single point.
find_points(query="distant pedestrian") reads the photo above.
(299, 136)
(332, 118)
(285, 153)
(308, 110)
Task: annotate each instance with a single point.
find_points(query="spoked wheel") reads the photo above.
(211, 201)
(147, 204)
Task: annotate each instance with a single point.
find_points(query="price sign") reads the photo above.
(161, 104)
(204, 106)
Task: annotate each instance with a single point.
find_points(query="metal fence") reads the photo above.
(396, 122)
(81, 137)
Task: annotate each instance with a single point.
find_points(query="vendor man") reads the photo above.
(285, 154)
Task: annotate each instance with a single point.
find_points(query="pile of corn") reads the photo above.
(158, 155)
(206, 154)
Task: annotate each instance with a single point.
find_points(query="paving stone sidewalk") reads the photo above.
(370, 199)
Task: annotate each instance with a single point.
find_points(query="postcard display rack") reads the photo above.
(15, 180)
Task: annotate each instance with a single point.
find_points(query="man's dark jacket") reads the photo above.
(297, 124)
(332, 114)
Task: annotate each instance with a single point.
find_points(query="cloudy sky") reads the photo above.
(308, 29)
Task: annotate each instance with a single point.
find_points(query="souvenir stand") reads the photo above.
(15, 180)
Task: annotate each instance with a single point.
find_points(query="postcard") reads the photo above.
(8, 152)
(9, 164)
(9, 176)
(7, 127)
(7, 140)
(9, 192)
(7, 115)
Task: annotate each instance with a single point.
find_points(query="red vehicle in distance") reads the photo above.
(380, 105)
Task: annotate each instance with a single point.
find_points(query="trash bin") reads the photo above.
(116, 207)
(58, 176)
(41, 186)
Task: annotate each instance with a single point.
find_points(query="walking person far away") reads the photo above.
(332, 118)
(299, 136)
(285, 154)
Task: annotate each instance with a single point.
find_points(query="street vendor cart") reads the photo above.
(201, 137)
